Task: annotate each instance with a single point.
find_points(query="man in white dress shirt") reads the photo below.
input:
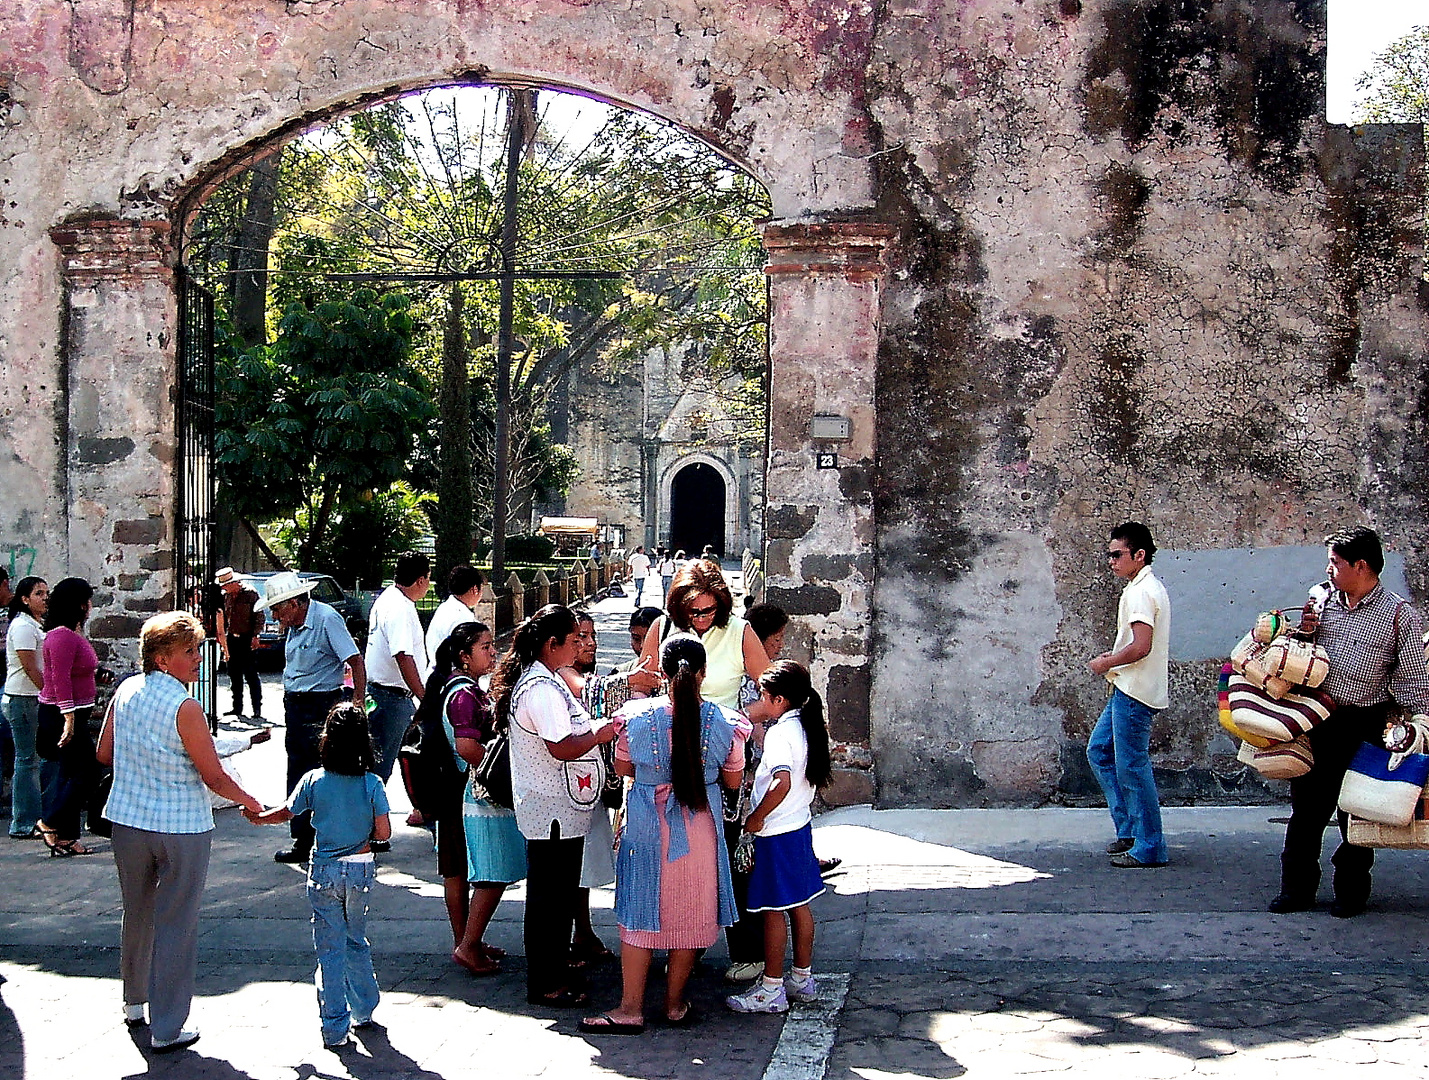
(463, 591)
(396, 657)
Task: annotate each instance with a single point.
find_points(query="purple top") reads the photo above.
(469, 711)
(70, 665)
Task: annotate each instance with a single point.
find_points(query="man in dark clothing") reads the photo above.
(238, 637)
(1373, 638)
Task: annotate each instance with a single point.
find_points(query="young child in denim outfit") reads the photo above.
(349, 808)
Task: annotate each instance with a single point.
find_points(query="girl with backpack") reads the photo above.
(785, 877)
(349, 809)
(479, 843)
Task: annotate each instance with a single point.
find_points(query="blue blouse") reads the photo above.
(638, 863)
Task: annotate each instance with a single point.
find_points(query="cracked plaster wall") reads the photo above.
(1134, 274)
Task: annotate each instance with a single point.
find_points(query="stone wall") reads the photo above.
(1059, 262)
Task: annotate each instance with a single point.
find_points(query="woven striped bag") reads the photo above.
(1223, 710)
(1283, 761)
(1374, 791)
(1301, 663)
(1262, 717)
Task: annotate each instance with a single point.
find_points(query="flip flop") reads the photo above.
(689, 1018)
(481, 971)
(604, 1024)
(564, 998)
(491, 952)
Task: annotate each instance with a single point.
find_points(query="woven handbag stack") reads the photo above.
(1269, 692)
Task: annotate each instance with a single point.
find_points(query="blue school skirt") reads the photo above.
(786, 871)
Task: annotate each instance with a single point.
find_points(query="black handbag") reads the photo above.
(494, 772)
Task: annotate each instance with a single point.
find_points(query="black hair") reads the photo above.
(790, 680)
(1359, 544)
(552, 621)
(645, 617)
(682, 658)
(1137, 537)
(346, 744)
(4, 574)
(583, 615)
(459, 641)
(23, 588)
(411, 568)
(462, 579)
(67, 600)
(766, 620)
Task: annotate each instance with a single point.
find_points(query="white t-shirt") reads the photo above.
(639, 565)
(785, 748)
(544, 710)
(25, 633)
(393, 627)
(667, 567)
(450, 614)
(1144, 600)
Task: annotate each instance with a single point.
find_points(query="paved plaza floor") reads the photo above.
(977, 943)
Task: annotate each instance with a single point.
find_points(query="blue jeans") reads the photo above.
(347, 987)
(388, 722)
(1119, 754)
(23, 716)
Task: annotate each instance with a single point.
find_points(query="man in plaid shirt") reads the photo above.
(1374, 640)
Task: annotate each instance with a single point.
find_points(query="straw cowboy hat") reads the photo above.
(284, 586)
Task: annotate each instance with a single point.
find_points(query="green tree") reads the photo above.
(455, 493)
(1395, 89)
(330, 410)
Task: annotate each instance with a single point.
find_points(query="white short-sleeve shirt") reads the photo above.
(639, 564)
(785, 749)
(543, 711)
(450, 614)
(25, 633)
(1144, 600)
(393, 627)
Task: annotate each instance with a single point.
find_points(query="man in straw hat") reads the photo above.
(315, 652)
(238, 636)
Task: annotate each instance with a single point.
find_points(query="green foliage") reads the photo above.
(330, 409)
(529, 548)
(1396, 87)
(367, 533)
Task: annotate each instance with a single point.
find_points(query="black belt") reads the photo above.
(392, 689)
(313, 693)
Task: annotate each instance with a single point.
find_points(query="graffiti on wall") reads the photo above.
(19, 559)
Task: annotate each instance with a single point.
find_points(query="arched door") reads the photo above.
(697, 509)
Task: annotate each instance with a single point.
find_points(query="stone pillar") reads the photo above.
(486, 607)
(118, 340)
(824, 283)
(518, 595)
(540, 591)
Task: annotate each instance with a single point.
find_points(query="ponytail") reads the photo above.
(552, 621)
(459, 641)
(682, 659)
(790, 680)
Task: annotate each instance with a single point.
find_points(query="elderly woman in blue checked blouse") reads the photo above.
(156, 738)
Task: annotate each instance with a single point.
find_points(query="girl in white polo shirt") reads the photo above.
(785, 877)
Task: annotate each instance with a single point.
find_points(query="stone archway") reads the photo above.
(224, 82)
(700, 501)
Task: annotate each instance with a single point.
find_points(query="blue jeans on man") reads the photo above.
(1119, 752)
(347, 987)
(388, 721)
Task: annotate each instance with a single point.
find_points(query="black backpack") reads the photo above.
(428, 761)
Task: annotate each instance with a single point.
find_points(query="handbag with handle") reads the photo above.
(1282, 761)
(1376, 791)
(1264, 719)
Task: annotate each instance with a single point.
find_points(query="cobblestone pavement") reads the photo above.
(983, 943)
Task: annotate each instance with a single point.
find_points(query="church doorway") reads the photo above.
(697, 498)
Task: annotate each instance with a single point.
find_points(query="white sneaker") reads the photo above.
(187, 1037)
(134, 1014)
(805, 991)
(742, 973)
(759, 999)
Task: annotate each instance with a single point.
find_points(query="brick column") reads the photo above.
(824, 282)
(118, 361)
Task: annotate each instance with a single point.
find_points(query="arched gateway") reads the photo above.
(237, 79)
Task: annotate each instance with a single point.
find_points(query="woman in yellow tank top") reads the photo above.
(700, 604)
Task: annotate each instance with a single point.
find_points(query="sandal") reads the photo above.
(689, 1018)
(480, 970)
(491, 952)
(605, 1024)
(61, 849)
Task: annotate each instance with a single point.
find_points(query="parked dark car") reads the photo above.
(270, 637)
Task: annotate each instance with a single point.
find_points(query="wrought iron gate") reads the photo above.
(196, 481)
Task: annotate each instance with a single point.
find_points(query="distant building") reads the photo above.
(659, 457)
